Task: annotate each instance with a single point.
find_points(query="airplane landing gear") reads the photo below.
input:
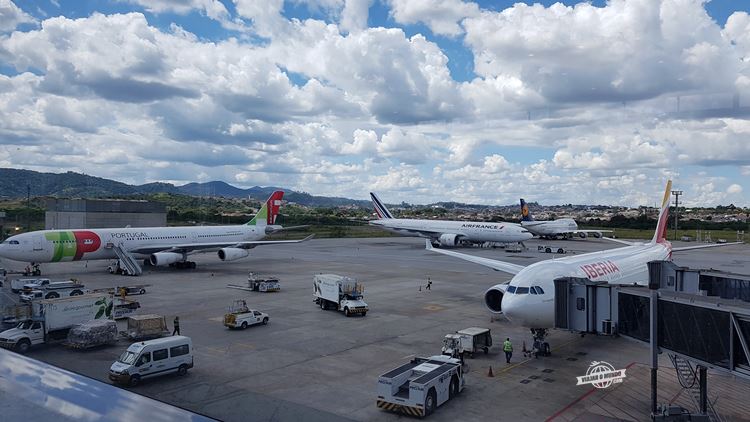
(184, 265)
(32, 270)
(540, 347)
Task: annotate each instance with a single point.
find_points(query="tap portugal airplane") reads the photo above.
(155, 245)
(448, 233)
(528, 298)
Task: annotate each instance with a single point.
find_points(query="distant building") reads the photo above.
(98, 213)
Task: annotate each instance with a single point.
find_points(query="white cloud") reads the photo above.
(734, 189)
(443, 17)
(11, 16)
(355, 14)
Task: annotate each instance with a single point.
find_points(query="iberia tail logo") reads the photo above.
(72, 245)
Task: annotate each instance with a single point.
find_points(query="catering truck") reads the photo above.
(51, 319)
(420, 386)
(343, 294)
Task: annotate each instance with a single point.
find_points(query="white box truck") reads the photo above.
(51, 318)
(343, 294)
(420, 386)
(467, 342)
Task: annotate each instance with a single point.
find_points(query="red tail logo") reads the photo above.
(273, 204)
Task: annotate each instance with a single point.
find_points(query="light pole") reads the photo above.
(676, 194)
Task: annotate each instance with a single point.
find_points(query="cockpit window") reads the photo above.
(511, 289)
(522, 290)
(11, 242)
(532, 290)
(539, 290)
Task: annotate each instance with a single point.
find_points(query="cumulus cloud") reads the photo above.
(734, 188)
(354, 16)
(443, 17)
(11, 16)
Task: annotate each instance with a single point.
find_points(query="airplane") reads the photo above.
(155, 245)
(553, 229)
(448, 233)
(529, 297)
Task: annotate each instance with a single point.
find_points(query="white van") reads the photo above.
(153, 358)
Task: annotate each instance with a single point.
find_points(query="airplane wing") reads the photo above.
(197, 247)
(277, 229)
(624, 242)
(712, 245)
(496, 265)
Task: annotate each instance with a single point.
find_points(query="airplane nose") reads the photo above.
(509, 306)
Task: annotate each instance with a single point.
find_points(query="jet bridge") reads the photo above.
(702, 320)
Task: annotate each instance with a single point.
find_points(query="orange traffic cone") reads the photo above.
(490, 374)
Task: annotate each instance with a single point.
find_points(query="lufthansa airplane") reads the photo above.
(552, 229)
(155, 245)
(528, 298)
(448, 233)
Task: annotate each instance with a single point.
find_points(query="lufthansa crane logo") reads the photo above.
(601, 375)
(525, 210)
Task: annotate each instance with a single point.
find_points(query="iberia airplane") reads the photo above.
(529, 297)
(156, 245)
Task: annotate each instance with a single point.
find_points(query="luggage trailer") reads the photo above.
(420, 386)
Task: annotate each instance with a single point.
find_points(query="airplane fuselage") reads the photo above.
(520, 301)
(465, 230)
(93, 244)
(551, 227)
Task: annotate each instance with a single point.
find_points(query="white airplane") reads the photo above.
(156, 245)
(528, 298)
(448, 233)
(553, 229)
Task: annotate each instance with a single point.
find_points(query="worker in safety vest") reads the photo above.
(508, 349)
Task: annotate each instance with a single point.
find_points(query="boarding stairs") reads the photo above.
(127, 260)
(689, 380)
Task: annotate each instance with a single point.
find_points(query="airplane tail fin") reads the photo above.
(525, 215)
(380, 208)
(660, 235)
(268, 212)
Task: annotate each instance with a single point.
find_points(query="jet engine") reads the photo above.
(493, 298)
(165, 258)
(230, 254)
(582, 235)
(448, 239)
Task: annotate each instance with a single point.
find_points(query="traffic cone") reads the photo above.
(490, 374)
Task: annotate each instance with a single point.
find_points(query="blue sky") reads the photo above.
(473, 101)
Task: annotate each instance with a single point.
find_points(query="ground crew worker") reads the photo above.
(176, 326)
(508, 349)
(429, 284)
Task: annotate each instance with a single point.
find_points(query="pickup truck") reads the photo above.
(55, 289)
(240, 316)
(18, 284)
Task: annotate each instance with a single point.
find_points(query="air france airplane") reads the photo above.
(552, 229)
(448, 233)
(156, 245)
(528, 298)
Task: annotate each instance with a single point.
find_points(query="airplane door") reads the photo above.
(193, 237)
(37, 242)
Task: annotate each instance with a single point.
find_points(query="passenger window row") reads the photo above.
(161, 354)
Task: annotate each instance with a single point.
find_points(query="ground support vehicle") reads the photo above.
(124, 307)
(420, 386)
(53, 290)
(152, 358)
(52, 318)
(344, 294)
(17, 285)
(146, 326)
(467, 342)
(240, 316)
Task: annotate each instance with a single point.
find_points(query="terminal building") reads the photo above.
(103, 213)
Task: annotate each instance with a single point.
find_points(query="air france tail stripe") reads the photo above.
(379, 207)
